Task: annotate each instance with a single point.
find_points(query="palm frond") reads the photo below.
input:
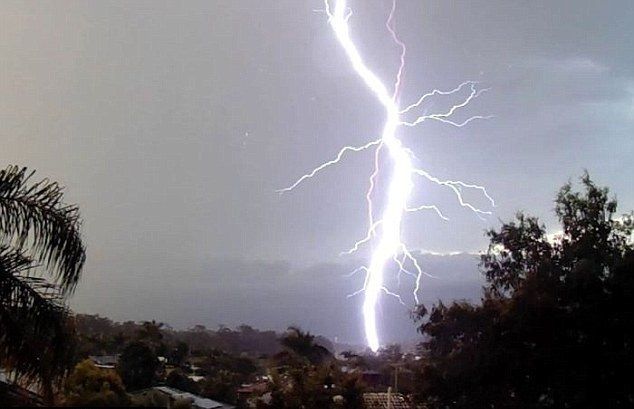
(35, 331)
(34, 216)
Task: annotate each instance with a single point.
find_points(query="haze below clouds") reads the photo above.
(173, 123)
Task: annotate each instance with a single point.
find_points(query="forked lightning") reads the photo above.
(384, 232)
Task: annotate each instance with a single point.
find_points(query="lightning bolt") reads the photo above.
(385, 233)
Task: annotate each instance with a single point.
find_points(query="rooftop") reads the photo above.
(198, 402)
(380, 401)
(104, 361)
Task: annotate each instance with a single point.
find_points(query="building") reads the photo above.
(198, 402)
(104, 361)
(385, 401)
(251, 393)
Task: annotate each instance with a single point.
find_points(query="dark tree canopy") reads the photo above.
(554, 329)
(177, 379)
(305, 345)
(138, 366)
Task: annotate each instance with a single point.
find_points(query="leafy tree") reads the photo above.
(41, 258)
(177, 379)
(277, 392)
(303, 344)
(88, 385)
(137, 366)
(309, 387)
(150, 332)
(179, 353)
(554, 326)
(225, 373)
(221, 386)
(218, 359)
(352, 391)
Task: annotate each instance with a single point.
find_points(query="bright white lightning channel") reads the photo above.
(385, 233)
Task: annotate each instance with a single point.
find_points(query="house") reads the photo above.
(251, 393)
(198, 402)
(385, 401)
(104, 361)
(250, 389)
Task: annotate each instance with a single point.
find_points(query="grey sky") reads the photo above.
(172, 124)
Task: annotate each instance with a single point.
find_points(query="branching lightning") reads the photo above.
(385, 232)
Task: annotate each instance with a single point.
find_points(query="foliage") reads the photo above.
(150, 332)
(101, 336)
(88, 385)
(150, 399)
(309, 387)
(34, 217)
(178, 353)
(225, 373)
(352, 391)
(221, 386)
(554, 326)
(177, 379)
(137, 366)
(182, 404)
(277, 392)
(41, 258)
(243, 339)
(304, 345)
(217, 360)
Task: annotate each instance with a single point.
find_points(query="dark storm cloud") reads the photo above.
(172, 124)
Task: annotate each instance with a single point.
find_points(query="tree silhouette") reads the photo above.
(554, 326)
(150, 332)
(177, 379)
(41, 258)
(303, 344)
(137, 366)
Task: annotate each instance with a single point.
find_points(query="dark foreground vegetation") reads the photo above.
(553, 328)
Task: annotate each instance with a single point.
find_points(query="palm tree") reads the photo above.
(41, 258)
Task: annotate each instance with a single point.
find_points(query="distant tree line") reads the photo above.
(102, 336)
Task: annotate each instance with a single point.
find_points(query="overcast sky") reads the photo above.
(173, 123)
